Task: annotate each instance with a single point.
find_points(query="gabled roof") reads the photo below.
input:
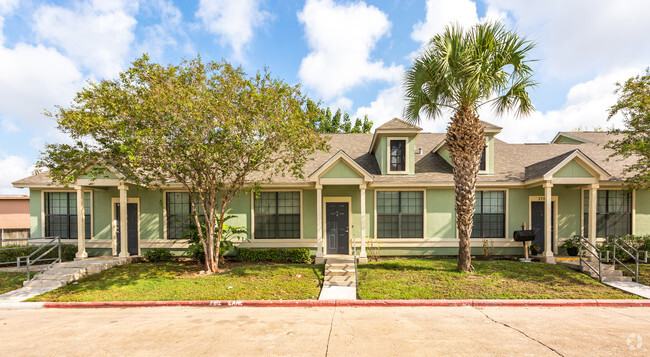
(490, 128)
(340, 156)
(545, 169)
(591, 137)
(397, 123)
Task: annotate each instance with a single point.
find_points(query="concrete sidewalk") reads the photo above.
(328, 331)
(631, 287)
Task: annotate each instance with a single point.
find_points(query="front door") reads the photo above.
(132, 231)
(537, 222)
(337, 227)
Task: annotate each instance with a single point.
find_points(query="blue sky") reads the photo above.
(349, 54)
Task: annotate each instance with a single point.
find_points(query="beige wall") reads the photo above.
(14, 212)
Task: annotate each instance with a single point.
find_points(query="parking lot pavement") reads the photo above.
(327, 331)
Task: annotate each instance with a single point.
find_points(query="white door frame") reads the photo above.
(115, 200)
(341, 199)
(554, 199)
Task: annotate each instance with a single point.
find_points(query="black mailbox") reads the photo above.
(524, 235)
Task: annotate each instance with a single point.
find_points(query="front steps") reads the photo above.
(340, 272)
(62, 274)
(609, 274)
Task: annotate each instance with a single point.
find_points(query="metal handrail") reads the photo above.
(354, 250)
(594, 251)
(616, 241)
(30, 261)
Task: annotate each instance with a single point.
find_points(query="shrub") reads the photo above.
(68, 253)
(228, 234)
(278, 255)
(638, 242)
(157, 254)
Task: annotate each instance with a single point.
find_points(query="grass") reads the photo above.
(439, 279)
(644, 272)
(180, 281)
(11, 281)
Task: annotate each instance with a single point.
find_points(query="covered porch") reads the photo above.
(341, 184)
(570, 171)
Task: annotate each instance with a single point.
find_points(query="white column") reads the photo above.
(81, 225)
(363, 256)
(548, 223)
(124, 231)
(319, 225)
(593, 202)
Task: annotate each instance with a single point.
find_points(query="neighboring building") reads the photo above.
(395, 184)
(14, 218)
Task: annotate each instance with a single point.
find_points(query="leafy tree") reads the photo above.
(207, 126)
(634, 104)
(325, 122)
(461, 71)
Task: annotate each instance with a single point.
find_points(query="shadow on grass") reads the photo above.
(134, 274)
(525, 272)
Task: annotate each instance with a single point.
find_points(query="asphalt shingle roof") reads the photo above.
(512, 162)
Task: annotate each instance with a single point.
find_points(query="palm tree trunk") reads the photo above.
(466, 141)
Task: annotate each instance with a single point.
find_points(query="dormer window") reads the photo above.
(483, 165)
(397, 161)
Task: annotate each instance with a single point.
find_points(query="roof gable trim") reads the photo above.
(340, 156)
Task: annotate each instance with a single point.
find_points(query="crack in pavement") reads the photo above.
(327, 348)
(521, 332)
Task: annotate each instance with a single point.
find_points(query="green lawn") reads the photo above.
(180, 281)
(11, 281)
(439, 279)
(644, 272)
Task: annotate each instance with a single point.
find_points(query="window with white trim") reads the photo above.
(277, 215)
(489, 215)
(61, 214)
(400, 214)
(613, 213)
(397, 159)
(179, 213)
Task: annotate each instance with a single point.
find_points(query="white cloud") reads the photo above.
(166, 33)
(441, 13)
(99, 34)
(234, 22)
(6, 8)
(583, 37)
(9, 126)
(341, 38)
(13, 168)
(35, 78)
(586, 107)
(387, 106)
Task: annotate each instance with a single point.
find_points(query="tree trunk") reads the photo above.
(466, 141)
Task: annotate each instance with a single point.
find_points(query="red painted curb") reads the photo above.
(352, 303)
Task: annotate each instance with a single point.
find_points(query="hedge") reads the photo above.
(157, 254)
(278, 255)
(68, 253)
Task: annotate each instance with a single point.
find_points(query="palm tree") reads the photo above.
(462, 71)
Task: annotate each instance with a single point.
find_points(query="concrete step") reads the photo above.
(340, 260)
(339, 283)
(339, 278)
(344, 272)
(44, 283)
(68, 278)
(339, 266)
(616, 278)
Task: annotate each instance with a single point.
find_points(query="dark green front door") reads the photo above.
(337, 228)
(132, 231)
(537, 221)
